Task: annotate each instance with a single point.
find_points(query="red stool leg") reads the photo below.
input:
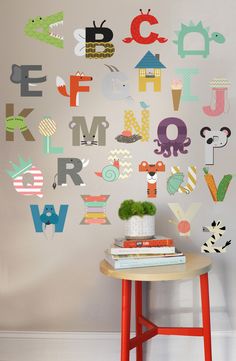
(206, 316)
(139, 328)
(125, 319)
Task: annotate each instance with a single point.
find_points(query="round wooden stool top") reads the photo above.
(196, 264)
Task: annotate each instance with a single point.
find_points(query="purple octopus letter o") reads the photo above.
(168, 146)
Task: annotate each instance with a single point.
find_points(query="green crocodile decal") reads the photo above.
(204, 32)
(47, 29)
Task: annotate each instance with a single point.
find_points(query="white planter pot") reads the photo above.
(140, 227)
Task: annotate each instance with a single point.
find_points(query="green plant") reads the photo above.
(129, 208)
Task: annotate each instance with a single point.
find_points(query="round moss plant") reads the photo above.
(129, 208)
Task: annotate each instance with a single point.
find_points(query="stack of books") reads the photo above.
(127, 253)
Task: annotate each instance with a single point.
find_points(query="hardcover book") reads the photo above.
(158, 241)
(116, 250)
(143, 262)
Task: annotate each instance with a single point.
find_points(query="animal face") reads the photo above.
(119, 86)
(82, 135)
(151, 168)
(48, 209)
(89, 139)
(115, 84)
(218, 38)
(214, 227)
(216, 138)
(48, 29)
(21, 75)
(49, 215)
(152, 177)
(82, 77)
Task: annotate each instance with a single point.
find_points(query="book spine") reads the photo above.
(119, 264)
(148, 243)
(142, 250)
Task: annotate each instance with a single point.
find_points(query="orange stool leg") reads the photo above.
(125, 320)
(139, 328)
(206, 316)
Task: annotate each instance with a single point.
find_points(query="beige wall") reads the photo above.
(56, 284)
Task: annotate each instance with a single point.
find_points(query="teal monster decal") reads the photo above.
(48, 29)
(204, 32)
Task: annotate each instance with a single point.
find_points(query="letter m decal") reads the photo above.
(81, 135)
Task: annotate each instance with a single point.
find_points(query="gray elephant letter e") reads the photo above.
(20, 75)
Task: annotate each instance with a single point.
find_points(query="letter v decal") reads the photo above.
(217, 193)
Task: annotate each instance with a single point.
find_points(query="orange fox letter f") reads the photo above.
(75, 87)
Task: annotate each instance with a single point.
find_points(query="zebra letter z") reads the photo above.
(217, 231)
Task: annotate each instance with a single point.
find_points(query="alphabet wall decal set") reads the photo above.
(97, 43)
